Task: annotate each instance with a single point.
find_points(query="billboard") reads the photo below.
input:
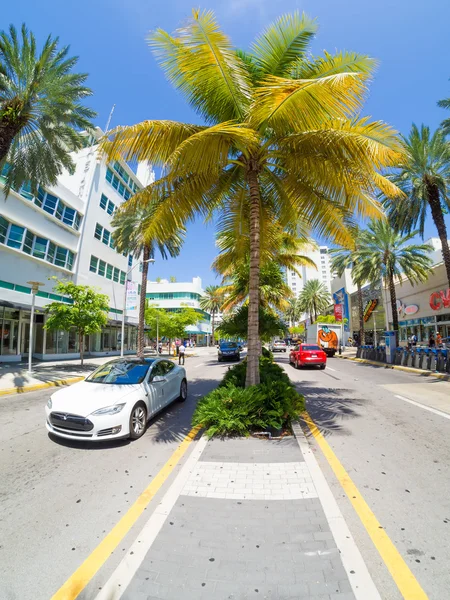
(132, 296)
(338, 312)
(341, 297)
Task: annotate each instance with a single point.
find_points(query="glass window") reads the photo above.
(50, 204)
(40, 247)
(77, 221)
(109, 271)
(28, 243)
(3, 229)
(59, 209)
(115, 183)
(121, 372)
(93, 264)
(130, 260)
(98, 232)
(51, 252)
(109, 175)
(15, 236)
(111, 243)
(122, 277)
(101, 268)
(25, 191)
(69, 216)
(168, 366)
(110, 208)
(70, 257)
(106, 237)
(103, 201)
(127, 195)
(116, 274)
(40, 197)
(61, 256)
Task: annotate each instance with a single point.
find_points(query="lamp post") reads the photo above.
(374, 327)
(124, 311)
(34, 289)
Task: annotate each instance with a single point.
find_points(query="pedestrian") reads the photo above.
(160, 347)
(438, 339)
(431, 341)
(181, 353)
(414, 339)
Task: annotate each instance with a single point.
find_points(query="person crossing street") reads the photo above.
(181, 352)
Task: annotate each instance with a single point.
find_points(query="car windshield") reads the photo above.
(311, 348)
(121, 372)
(229, 345)
(280, 343)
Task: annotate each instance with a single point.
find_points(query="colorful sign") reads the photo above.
(132, 296)
(406, 310)
(440, 299)
(338, 312)
(341, 297)
(370, 307)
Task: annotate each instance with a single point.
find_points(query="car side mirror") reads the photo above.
(158, 379)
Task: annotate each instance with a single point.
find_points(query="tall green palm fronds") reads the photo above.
(293, 312)
(386, 255)
(314, 298)
(282, 136)
(41, 110)
(424, 177)
(212, 302)
(445, 103)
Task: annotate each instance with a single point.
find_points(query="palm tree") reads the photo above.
(293, 312)
(41, 110)
(282, 138)
(346, 258)
(425, 179)
(445, 103)
(383, 254)
(314, 298)
(130, 237)
(211, 302)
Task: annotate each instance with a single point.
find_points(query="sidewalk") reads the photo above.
(245, 518)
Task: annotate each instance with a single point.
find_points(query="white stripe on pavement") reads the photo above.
(330, 369)
(429, 408)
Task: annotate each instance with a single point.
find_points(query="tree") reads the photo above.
(88, 312)
(383, 254)
(345, 258)
(234, 325)
(172, 279)
(329, 319)
(211, 302)
(41, 110)
(445, 103)
(283, 138)
(293, 312)
(298, 330)
(424, 177)
(130, 236)
(314, 298)
(170, 324)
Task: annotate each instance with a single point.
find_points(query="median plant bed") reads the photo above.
(232, 409)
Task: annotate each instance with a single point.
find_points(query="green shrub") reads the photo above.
(267, 353)
(269, 371)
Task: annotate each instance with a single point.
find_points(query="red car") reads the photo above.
(307, 354)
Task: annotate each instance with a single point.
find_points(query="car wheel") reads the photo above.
(219, 360)
(296, 365)
(183, 391)
(322, 367)
(138, 421)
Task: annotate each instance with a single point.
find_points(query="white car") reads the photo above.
(116, 400)
(278, 346)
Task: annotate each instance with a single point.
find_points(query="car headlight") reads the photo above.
(109, 410)
(49, 403)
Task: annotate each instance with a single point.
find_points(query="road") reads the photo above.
(398, 455)
(58, 500)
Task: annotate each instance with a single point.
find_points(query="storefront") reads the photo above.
(374, 315)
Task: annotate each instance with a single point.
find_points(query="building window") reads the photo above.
(98, 231)
(103, 201)
(15, 236)
(106, 237)
(109, 271)
(130, 260)
(126, 191)
(116, 274)
(106, 270)
(93, 265)
(107, 205)
(139, 289)
(40, 247)
(102, 268)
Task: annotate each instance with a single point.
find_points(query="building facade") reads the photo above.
(173, 296)
(65, 232)
(321, 259)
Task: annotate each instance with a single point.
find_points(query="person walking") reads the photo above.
(181, 353)
(439, 340)
(431, 341)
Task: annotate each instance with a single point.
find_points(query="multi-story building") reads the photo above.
(173, 296)
(65, 232)
(321, 258)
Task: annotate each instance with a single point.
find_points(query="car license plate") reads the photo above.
(313, 355)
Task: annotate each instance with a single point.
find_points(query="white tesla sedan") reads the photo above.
(116, 400)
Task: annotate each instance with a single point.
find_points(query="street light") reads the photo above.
(124, 312)
(374, 327)
(34, 289)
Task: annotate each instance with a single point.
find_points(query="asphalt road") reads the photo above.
(398, 455)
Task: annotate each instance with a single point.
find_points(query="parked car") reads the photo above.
(116, 400)
(278, 346)
(228, 351)
(308, 354)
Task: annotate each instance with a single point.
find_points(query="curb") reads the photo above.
(397, 367)
(41, 386)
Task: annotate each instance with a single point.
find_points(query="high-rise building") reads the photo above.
(321, 258)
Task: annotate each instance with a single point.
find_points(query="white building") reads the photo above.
(173, 296)
(65, 232)
(321, 258)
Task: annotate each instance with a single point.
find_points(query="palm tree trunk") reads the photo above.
(142, 300)
(438, 218)
(212, 328)
(393, 302)
(81, 345)
(362, 334)
(254, 347)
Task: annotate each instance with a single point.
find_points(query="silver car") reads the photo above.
(278, 346)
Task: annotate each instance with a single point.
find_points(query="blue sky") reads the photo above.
(408, 37)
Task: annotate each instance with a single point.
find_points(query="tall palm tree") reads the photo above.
(211, 302)
(386, 255)
(293, 312)
(425, 179)
(445, 103)
(346, 258)
(130, 236)
(314, 298)
(283, 137)
(41, 110)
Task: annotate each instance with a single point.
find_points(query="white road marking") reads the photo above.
(200, 365)
(429, 408)
(330, 369)
(358, 574)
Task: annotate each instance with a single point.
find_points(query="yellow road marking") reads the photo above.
(78, 581)
(406, 582)
(40, 386)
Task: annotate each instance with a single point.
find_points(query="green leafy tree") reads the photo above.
(384, 254)
(445, 103)
(345, 258)
(329, 319)
(314, 298)
(234, 325)
(172, 279)
(211, 303)
(88, 312)
(424, 177)
(130, 226)
(41, 110)
(171, 325)
(283, 138)
(293, 312)
(297, 330)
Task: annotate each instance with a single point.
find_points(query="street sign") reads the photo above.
(338, 312)
(132, 296)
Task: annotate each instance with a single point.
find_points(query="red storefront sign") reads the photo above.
(440, 299)
(338, 308)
